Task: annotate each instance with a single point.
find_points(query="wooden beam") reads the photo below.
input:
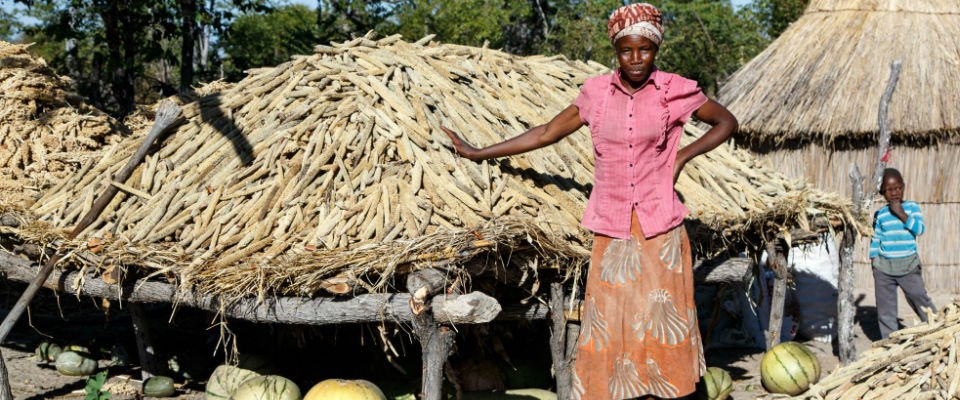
(473, 307)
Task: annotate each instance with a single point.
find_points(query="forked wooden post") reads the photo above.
(861, 202)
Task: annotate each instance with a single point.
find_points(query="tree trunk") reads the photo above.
(188, 34)
(120, 49)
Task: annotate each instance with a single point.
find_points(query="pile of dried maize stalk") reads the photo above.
(916, 363)
(333, 166)
(45, 131)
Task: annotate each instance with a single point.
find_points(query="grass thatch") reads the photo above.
(45, 130)
(331, 167)
(822, 79)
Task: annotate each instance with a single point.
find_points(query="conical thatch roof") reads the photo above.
(45, 130)
(333, 165)
(822, 79)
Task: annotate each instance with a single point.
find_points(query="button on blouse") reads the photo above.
(635, 143)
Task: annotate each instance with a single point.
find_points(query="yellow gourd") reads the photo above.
(340, 389)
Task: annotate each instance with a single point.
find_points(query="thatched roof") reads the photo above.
(45, 130)
(822, 79)
(332, 166)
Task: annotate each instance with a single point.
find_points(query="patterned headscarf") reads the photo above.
(635, 19)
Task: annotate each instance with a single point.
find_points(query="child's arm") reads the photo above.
(914, 222)
(875, 239)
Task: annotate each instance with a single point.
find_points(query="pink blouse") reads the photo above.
(635, 143)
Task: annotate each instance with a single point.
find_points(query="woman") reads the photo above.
(639, 334)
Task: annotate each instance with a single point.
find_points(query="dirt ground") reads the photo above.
(32, 380)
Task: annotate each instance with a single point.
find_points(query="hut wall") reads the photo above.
(930, 180)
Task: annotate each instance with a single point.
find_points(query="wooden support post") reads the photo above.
(5, 392)
(778, 263)
(436, 340)
(846, 307)
(559, 341)
(149, 364)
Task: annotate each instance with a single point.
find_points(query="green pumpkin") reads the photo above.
(267, 387)
(716, 384)
(72, 363)
(158, 386)
(48, 352)
(225, 380)
(789, 368)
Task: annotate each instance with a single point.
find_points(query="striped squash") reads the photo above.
(716, 384)
(789, 368)
(158, 386)
(225, 380)
(72, 363)
(267, 387)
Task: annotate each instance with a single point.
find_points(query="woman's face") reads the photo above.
(636, 55)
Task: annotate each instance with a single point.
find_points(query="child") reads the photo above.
(893, 254)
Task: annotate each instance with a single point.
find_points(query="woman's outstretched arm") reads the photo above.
(724, 125)
(561, 126)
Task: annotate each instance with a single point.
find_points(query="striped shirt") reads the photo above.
(893, 238)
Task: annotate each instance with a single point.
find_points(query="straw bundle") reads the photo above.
(822, 79)
(45, 131)
(331, 168)
(921, 362)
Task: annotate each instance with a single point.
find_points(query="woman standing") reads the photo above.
(639, 334)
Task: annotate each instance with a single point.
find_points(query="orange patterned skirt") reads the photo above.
(639, 334)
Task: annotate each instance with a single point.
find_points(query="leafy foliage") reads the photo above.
(94, 388)
(121, 52)
(256, 40)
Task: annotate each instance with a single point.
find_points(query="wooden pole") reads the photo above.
(562, 357)
(470, 308)
(883, 141)
(862, 202)
(845, 304)
(778, 264)
(5, 392)
(436, 341)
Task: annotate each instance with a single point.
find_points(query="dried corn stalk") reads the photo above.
(920, 362)
(45, 131)
(333, 165)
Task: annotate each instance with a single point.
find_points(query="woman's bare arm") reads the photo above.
(724, 125)
(561, 126)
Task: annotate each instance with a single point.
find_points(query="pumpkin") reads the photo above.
(225, 380)
(716, 384)
(48, 352)
(789, 368)
(267, 387)
(72, 363)
(158, 386)
(341, 389)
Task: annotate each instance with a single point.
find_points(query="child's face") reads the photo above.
(892, 189)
